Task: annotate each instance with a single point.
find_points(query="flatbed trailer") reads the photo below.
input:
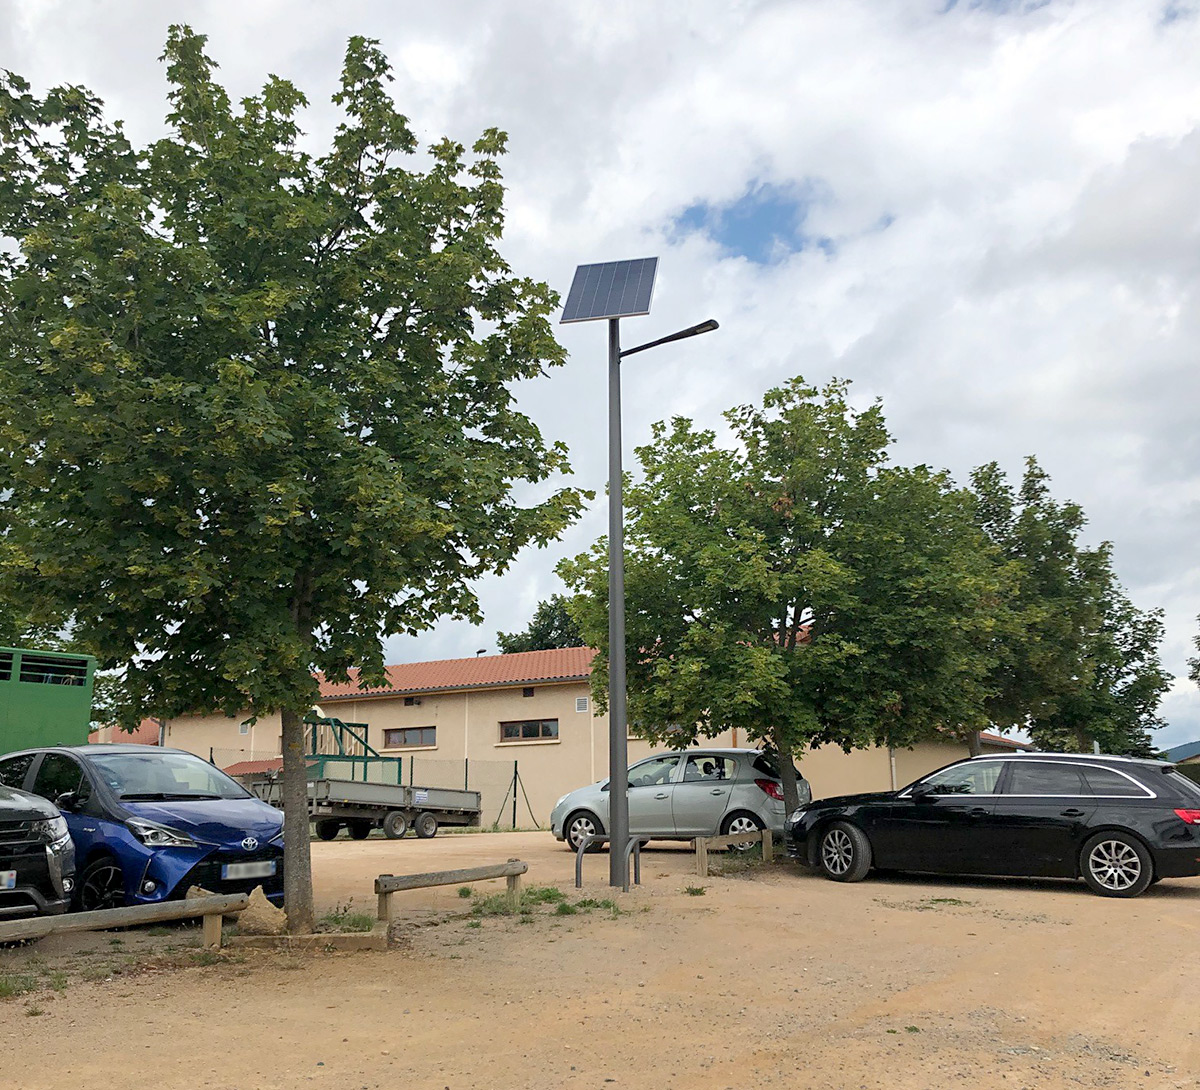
(361, 806)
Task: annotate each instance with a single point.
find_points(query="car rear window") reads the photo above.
(1106, 782)
(1183, 784)
(766, 765)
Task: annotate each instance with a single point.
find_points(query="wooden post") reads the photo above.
(384, 914)
(768, 846)
(514, 890)
(212, 930)
(702, 856)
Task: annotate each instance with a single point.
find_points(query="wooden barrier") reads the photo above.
(702, 845)
(211, 908)
(387, 884)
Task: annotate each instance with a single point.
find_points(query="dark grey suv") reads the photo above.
(37, 858)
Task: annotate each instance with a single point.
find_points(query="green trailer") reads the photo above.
(45, 698)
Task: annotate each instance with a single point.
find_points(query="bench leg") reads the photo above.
(212, 930)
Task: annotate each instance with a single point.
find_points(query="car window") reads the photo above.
(1104, 781)
(1044, 778)
(653, 772)
(708, 766)
(1184, 784)
(767, 766)
(969, 778)
(14, 770)
(57, 775)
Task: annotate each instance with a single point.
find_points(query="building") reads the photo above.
(1187, 754)
(472, 721)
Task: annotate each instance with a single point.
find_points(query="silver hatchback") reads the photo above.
(680, 795)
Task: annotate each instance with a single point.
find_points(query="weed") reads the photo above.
(157, 932)
(694, 891)
(474, 923)
(14, 984)
(947, 901)
(344, 918)
(565, 909)
(206, 957)
(464, 891)
(58, 981)
(543, 895)
(116, 942)
(893, 1031)
(494, 905)
(526, 919)
(33, 1010)
(912, 1029)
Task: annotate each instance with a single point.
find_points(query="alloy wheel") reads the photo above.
(102, 886)
(1115, 865)
(837, 852)
(581, 827)
(741, 825)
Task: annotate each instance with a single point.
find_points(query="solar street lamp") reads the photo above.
(611, 291)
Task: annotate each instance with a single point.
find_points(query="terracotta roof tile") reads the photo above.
(249, 768)
(482, 671)
(987, 738)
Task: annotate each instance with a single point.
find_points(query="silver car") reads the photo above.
(680, 795)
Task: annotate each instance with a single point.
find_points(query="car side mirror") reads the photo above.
(921, 792)
(67, 801)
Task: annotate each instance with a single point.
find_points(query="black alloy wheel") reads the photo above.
(101, 885)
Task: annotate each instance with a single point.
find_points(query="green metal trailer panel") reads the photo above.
(45, 698)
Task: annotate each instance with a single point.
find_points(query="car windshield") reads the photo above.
(155, 776)
(767, 766)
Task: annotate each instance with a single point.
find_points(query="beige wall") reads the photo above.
(468, 727)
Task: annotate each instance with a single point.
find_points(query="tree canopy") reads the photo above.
(797, 585)
(552, 625)
(1084, 666)
(256, 400)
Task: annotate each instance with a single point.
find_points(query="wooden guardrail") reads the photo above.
(703, 844)
(211, 908)
(387, 884)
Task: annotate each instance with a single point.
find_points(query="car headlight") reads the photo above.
(52, 831)
(560, 801)
(158, 836)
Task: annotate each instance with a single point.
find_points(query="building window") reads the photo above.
(409, 736)
(581, 703)
(527, 691)
(529, 730)
(243, 728)
(411, 701)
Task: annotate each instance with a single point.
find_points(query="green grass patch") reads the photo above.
(695, 891)
(474, 923)
(14, 984)
(33, 1010)
(57, 980)
(565, 909)
(542, 895)
(464, 891)
(345, 918)
(495, 904)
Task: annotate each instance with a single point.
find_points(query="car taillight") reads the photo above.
(771, 788)
(1192, 817)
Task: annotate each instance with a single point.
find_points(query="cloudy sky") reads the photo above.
(983, 212)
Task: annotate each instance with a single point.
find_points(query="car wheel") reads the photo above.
(425, 826)
(1116, 865)
(360, 828)
(395, 825)
(736, 825)
(102, 885)
(845, 853)
(580, 825)
(328, 829)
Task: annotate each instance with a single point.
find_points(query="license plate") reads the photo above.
(248, 870)
(8, 879)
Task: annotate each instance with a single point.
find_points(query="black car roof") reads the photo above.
(1104, 757)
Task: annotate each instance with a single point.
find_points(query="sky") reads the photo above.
(982, 212)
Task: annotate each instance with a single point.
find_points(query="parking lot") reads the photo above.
(768, 977)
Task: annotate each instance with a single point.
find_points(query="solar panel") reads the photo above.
(612, 289)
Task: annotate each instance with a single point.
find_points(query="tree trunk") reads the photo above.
(974, 745)
(297, 859)
(787, 774)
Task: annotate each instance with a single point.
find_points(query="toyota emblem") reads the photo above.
(250, 843)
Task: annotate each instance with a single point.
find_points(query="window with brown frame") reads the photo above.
(529, 730)
(399, 737)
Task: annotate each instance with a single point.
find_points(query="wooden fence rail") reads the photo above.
(703, 844)
(211, 908)
(387, 884)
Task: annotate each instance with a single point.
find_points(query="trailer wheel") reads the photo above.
(328, 828)
(360, 828)
(425, 826)
(395, 825)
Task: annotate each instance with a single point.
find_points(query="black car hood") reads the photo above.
(853, 800)
(19, 806)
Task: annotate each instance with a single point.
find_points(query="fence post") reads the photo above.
(768, 846)
(515, 774)
(212, 930)
(702, 856)
(466, 773)
(514, 890)
(411, 761)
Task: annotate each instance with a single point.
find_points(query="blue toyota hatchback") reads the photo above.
(148, 823)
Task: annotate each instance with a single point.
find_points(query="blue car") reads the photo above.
(148, 823)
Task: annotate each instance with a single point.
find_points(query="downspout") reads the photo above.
(467, 725)
(892, 766)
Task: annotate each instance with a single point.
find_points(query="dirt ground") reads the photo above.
(770, 977)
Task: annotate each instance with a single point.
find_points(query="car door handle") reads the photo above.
(1072, 812)
(717, 791)
(661, 795)
(977, 811)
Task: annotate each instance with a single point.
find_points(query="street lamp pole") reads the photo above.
(618, 726)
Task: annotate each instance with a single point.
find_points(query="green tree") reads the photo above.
(1194, 664)
(255, 401)
(796, 586)
(551, 626)
(1081, 665)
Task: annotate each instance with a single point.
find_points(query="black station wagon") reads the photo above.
(1118, 823)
